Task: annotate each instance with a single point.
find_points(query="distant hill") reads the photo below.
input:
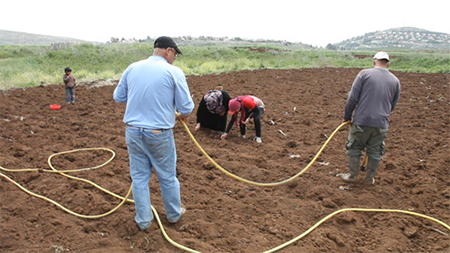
(20, 38)
(237, 41)
(407, 38)
(397, 38)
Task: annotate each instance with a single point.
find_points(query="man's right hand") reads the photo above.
(181, 117)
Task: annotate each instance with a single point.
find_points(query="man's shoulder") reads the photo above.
(377, 70)
(175, 70)
(374, 69)
(140, 62)
(384, 73)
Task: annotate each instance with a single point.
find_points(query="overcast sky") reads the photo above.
(315, 22)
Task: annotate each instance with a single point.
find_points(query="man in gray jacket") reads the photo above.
(374, 94)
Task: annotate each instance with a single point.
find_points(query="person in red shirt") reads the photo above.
(250, 107)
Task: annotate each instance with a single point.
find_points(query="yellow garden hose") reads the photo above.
(65, 208)
(297, 175)
(125, 199)
(63, 172)
(257, 183)
(354, 210)
(167, 236)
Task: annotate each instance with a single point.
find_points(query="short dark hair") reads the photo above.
(67, 69)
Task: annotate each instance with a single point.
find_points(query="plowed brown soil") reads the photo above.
(223, 213)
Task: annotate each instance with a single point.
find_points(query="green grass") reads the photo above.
(25, 66)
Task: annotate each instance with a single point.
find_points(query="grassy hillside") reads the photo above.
(406, 38)
(24, 66)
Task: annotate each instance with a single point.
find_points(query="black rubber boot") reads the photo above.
(371, 169)
(353, 165)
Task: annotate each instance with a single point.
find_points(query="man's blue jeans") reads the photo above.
(153, 148)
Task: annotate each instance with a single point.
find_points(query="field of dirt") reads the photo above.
(224, 214)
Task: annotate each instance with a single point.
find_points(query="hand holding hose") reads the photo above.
(181, 117)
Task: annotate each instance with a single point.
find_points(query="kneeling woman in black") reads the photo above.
(212, 111)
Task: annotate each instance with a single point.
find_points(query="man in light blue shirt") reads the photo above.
(154, 90)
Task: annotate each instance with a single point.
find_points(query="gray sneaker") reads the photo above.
(183, 211)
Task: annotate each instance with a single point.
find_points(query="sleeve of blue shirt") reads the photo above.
(183, 100)
(121, 91)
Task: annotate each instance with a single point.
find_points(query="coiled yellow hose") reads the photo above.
(63, 172)
(125, 199)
